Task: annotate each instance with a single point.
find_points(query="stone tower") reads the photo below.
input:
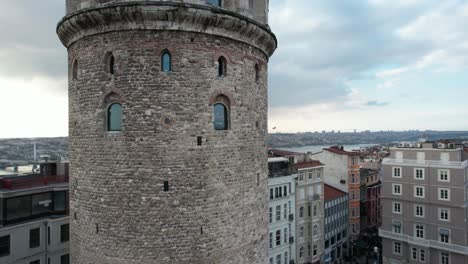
(168, 128)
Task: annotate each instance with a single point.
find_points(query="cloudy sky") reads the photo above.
(340, 65)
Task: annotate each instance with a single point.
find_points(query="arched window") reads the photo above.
(214, 2)
(114, 117)
(222, 66)
(75, 70)
(166, 61)
(220, 117)
(257, 72)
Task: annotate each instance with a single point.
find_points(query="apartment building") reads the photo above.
(371, 209)
(336, 225)
(309, 211)
(282, 199)
(424, 201)
(34, 224)
(342, 171)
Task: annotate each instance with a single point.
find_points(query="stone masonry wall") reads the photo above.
(215, 209)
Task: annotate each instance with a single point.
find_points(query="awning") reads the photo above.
(444, 231)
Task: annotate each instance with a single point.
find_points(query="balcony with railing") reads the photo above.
(424, 242)
(31, 181)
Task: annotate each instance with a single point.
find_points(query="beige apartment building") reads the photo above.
(424, 201)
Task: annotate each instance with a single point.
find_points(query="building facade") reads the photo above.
(371, 209)
(309, 211)
(342, 170)
(168, 130)
(34, 222)
(282, 203)
(336, 225)
(424, 204)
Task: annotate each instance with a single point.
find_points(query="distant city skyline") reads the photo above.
(368, 65)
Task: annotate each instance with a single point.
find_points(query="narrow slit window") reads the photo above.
(75, 70)
(166, 61)
(114, 117)
(257, 72)
(166, 186)
(111, 64)
(222, 66)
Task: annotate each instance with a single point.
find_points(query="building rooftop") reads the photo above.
(332, 193)
(282, 153)
(308, 164)
(277, 159)
(340, 150)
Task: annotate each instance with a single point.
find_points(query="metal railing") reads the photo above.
(424, 242)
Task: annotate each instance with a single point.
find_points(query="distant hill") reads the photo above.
(21, 149)
(367, 137)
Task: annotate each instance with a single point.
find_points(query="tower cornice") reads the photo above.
(162, 15)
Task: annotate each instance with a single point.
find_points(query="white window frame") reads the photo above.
(416, 192)
(395, 247)
(416, 174)
(416, 211)
(439, 211)
(394, 170)
(440, 258)
(416, 231)
(439, 171)
(393, 188)
(439, 194)
(301, 176)
(393, 208)
(414, 253)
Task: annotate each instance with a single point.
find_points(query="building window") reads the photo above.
(301, 231)
(65, 259)
(444, 258)
(444, 235)
(4, 246)
(301, 252)
(166, 61)
(222, 66)
(414, 253)
(75, 70)
(285, 215)
(444, 214)
(319, 175)
(419, 230)
(109, 63)
(396, 227)
(278, 212)
(64, 233)
(37, 261)
(214, 2)
(419, 191)
(286, 259)
(419, 210)
(301, 211)
(271, 215)
(34, 238)
(278, 259)
(444, 194)
(397, 208)
(314, 249)
(396, 172)
(114, 117)
(221, 113)
(396, 190)
(271, 261)
(444, 175)
(419, 174)
(422, 255)
(397, 248)
(301, 176)
(353, 178)
(278, 237)
(271, 240)
(315, 230)
(315, 210)
(271, 193)
(285, 235)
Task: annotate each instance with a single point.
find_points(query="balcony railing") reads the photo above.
(429, 163)
(314, 197)
(424, 242)
(31, 181)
